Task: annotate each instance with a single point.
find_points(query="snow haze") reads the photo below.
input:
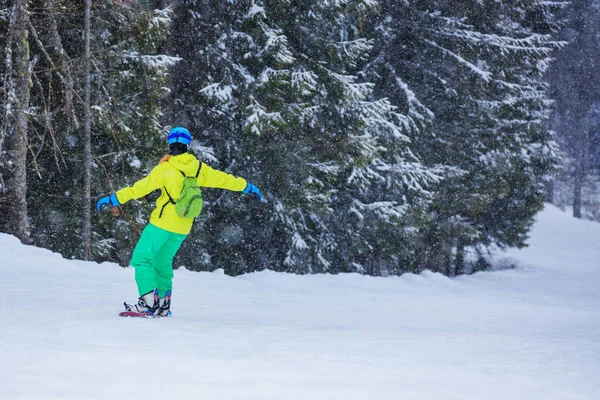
(532, 332)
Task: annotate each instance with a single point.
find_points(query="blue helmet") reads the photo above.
(179, 135)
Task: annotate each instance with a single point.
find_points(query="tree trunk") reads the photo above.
(57, 46)
(580, 171)
(8, 65)
(459, 260)
(578, 188)
(17, 122)
(550, 192)
(87, 147)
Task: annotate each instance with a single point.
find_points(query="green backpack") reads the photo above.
(189, 204)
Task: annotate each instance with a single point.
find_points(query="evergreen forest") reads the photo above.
(386, 136)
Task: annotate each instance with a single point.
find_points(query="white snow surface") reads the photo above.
(532, 332)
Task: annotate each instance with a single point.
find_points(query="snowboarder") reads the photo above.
(179, 176)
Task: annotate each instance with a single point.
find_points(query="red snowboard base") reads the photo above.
(141, 315)
(133, 314)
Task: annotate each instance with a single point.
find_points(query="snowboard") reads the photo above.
(133, 314)
(136, 314)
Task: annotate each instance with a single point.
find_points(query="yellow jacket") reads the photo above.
(166, 175)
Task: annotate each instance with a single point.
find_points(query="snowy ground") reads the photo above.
(527, 333)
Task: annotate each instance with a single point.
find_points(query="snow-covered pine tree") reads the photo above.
(128, 79)
(130, 136)
(476, 69)
(271, 89)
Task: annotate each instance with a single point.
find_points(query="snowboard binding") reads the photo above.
(149, 305)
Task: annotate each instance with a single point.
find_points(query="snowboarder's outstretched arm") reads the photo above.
(143, 187)
(139, 189)
(213, 178)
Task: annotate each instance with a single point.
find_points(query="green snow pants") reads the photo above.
(153, 259)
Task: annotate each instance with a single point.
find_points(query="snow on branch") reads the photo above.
(417, 111)
(519, 123)
(363, 176)
(304, 82)
(375, 115)
(354, 51)
(260, 120)
(218, 92)
(413, 102)
(244, 73)
(305, 111)
(204, 152)
(159, 61)
(536, 43)
(362, 5)
(298, 242)
(354, 92)
(418, 172)
(329, 168)
(255, 10)
(512, 99)
(485, 75)
(334, 3)
(520, 88)
(367, 145)
(456, 28)
(385, 210)
(161, 18)
(269, 73)
(276, 45)
(556, 4)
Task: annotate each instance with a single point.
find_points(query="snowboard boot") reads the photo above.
(164, 309)
(147, 303)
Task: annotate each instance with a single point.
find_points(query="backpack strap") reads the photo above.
(164, 205)
(167, 192)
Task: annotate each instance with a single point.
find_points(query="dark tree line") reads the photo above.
(387, 136)
(575, 85)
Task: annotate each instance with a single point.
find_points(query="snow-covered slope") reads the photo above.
(528, 333)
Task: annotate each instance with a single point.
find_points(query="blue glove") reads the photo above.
(107, 201)
(253, 191)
